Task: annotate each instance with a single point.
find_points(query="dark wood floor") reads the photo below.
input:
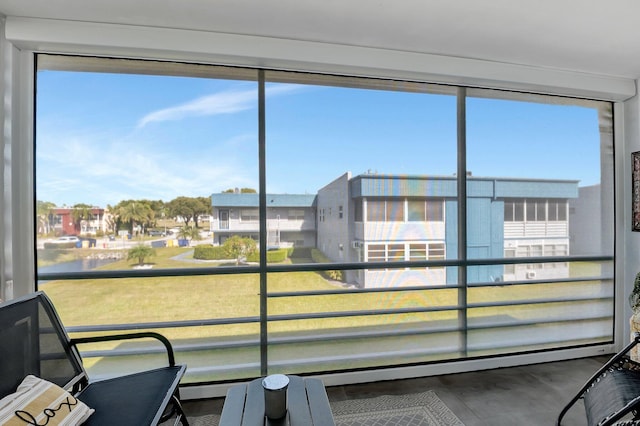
(529, 395)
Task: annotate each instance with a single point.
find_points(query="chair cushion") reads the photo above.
(39, 402)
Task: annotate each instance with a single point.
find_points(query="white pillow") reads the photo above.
(39, 402)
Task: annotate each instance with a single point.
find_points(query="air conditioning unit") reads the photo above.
(531, 275)
(356, 244)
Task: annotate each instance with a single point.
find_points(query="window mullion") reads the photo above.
(263, 223)
(462, 216)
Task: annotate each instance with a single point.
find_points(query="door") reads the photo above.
(224, 219)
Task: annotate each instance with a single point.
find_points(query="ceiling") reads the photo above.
(599, 37)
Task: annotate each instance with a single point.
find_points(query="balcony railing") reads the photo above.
(581, 314)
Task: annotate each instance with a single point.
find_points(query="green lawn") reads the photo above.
(165, 299)
(143, 300)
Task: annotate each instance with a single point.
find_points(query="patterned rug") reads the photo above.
(420, 409)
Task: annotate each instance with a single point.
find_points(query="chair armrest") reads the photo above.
(128, 336)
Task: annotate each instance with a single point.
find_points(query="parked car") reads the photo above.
(66, 239)
(64, 242)
(155, 233)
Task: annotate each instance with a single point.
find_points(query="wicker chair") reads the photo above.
(612, 395)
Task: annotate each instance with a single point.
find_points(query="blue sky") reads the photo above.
(103, 138)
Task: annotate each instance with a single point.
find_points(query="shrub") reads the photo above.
(320, 257)
(140, 252)
(210, 252)
(300, 252)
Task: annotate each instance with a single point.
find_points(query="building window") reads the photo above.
(514, 211)
(376, 253)
(296, 214)
(395, 252)
(435, 210)
(376, 211)
(340, 212)
(557, 210)
(417, 251)
(416, 210)
(249, 215)
(536, 211)
(385, 211)
(395, 211)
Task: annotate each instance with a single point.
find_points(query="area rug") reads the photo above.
(208, 420)
(419, 409)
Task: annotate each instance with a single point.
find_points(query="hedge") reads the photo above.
(273, 256)
(320, 257)
(209, 252)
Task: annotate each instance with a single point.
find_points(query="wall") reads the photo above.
(26, 35)
(334, 233)
(16, 211)
(627, 138)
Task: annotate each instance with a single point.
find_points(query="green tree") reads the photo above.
(79, 213)
(238, 247)
(189, 233)
(158, 207)
(44, 213)
(140, 252)
(241, 191)
(189, 208)
(132, 213)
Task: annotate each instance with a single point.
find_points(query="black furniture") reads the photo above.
(613, 392)
(307, 405)
(34, 341)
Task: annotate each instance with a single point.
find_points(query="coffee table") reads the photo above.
(307, 405)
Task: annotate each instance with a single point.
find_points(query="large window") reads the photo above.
(201, 195)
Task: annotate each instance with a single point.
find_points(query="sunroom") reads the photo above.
(117, 102)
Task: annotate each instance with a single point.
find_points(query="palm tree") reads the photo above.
(133, 212)
(140, 252)
(79, 213)
(44, 212)
(189, 233)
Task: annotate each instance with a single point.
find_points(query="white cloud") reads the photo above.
(109, 165)
(108, 171)
(227, 102)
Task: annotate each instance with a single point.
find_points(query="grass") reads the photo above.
(162, 299)
(166, 299)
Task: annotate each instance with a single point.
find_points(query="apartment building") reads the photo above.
(63, 221)
(385, 218)
(290, 218)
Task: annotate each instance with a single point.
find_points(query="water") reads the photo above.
(75, 265)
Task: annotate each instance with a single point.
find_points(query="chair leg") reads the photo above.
(180, 412)
(175, 409)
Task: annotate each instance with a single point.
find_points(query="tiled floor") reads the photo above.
(528, 395)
